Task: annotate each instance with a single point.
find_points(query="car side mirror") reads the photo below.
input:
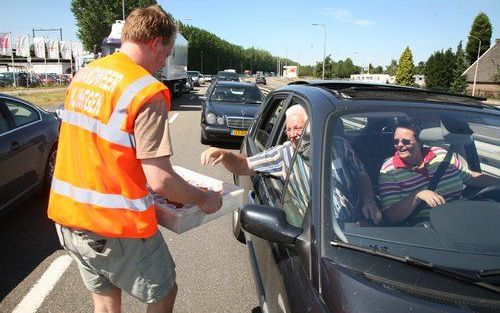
(203, 98)
(268, 223)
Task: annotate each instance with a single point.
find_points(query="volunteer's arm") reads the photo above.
(163, 180)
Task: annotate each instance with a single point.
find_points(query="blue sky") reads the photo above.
(365, 30)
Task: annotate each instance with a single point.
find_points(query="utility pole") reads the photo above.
(477, 64)
(324, 47)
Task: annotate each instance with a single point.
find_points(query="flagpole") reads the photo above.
(71, 58)
(12, 58)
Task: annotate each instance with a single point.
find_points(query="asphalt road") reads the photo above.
(213, 272)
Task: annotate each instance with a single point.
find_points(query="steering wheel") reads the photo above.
(494, 190)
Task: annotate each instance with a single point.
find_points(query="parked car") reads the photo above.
(260, 80)
(207, 78)
(195, 78)
(227, 75)
(308, 255)
(228, 109)
(28, 146)
(7, 79)
(188, 85)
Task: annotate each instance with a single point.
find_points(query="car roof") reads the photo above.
(350, 90)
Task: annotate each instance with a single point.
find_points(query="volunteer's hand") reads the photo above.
(431, 198)
(212, 202)
(371, 211)
(212, 156)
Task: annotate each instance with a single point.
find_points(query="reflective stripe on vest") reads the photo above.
(112, 131)
(109, 201)
(116, 136)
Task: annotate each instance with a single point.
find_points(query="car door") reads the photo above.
(268, 121)
(21, 157)
(283, 270)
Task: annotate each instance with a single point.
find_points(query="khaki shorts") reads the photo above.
(141, 267)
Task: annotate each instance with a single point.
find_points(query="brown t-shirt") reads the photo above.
(152, 137)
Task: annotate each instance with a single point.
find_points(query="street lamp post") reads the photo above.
(286, 56)
(477, 64)
(324, 48)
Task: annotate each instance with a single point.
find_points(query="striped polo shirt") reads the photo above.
(274, 161)
(397, 181)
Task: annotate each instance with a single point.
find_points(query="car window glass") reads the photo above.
(268, 123)
(21, 113)
(297, 193)
(246, 94)
(381, 143)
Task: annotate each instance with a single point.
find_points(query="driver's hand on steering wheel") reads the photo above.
(431, 198)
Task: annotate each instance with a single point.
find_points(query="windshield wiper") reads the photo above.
(468, 276)
(489, 273)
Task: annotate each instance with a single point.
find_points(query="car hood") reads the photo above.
(233, 109)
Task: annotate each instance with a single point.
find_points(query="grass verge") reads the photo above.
(44, 99)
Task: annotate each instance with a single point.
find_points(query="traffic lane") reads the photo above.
(213, 272)
(213, 269)
(27, 238)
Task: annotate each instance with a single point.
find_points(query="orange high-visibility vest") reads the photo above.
(98, 183)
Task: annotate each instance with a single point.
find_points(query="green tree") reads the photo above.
(404, 71)
(481, 28)
(377, 70)
(439, 70)
(459, 83)
(95, 17)
(419, 69)
(391, 69)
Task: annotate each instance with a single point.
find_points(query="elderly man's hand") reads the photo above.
(371, 211)
(212, 156)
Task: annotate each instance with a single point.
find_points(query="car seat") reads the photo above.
(375, 145)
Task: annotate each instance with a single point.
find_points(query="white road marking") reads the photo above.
(172, 119)
(32, 301)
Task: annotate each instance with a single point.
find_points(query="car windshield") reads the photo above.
(193, 73)
(398, 152)
(245, 94)
(228, 76)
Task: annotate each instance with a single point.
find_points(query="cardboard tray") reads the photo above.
(181, 220)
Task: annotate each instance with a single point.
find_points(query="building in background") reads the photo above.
(488, 73)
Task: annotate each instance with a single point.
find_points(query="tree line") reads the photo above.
(444, 70)
(208, 53)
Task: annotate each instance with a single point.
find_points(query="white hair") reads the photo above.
(298, 110)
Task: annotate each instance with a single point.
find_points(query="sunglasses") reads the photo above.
(405, 142)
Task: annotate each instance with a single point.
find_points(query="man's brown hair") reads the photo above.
(145, 24)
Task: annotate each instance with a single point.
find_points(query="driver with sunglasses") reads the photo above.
(404, 177)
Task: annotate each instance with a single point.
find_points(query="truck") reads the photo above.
(173, 74)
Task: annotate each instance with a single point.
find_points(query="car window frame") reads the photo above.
(266, 109)
(295, 99)
(10, 117)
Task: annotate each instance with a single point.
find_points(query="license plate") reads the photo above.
(236, 132)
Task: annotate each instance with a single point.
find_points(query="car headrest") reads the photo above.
(451, 130)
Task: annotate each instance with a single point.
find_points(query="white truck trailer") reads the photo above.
(172, 74)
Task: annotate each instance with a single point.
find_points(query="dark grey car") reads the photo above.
(309, 257)
(28, 145)
(228, 110)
